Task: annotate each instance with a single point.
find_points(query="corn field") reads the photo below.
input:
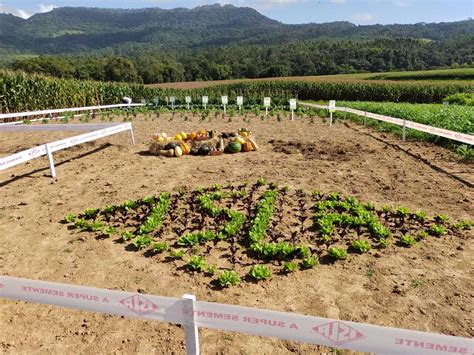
(26, 92)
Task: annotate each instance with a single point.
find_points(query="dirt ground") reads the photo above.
(427, 288)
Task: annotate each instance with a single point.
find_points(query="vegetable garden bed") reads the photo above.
(256, 232)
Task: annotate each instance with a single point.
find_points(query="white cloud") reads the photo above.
(46, 8)
(25, 14)
(11, 10)
(363, 17)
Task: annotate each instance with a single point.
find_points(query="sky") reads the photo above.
(361, 12)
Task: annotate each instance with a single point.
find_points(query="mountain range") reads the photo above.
(71, 30)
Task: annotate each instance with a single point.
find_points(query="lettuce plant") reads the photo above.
(362, 246)
(337, 252)
(260, 272)
(309, 262)
(407, 240)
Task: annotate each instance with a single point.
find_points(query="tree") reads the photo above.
(121, 69)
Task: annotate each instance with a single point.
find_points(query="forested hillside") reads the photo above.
(220, 42)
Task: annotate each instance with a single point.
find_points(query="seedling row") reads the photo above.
(253, 232)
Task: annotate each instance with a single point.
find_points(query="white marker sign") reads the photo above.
(240, 100)
(172, 99)
(225, 100)
(155, 100)
(205, 100)
(332, 108)
(267, 101)
(292, 104)
(188, 99)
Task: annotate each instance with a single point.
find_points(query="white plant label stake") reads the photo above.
(172, 100)
(266, 102)
(205, 100)
(240, 102)
(332, 108)
(225, 101)
(292, 108)
(188, 101)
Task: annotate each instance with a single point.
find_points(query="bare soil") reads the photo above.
(428, 287)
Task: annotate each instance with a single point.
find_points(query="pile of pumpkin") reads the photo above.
(202, 143)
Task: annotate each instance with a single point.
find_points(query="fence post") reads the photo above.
(330, 118)
(51, 161)
(191, 331)
(404, 130)
(131, 134)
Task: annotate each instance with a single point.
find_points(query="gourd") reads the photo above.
(247, 147)
(254, 144)
(185, 148)
(177, 151)
(240, 140)
(167, 152)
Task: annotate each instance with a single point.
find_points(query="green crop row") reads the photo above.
(442, 74)
(453, 117)
(26, 92)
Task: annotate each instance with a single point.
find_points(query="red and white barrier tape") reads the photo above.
(313, 330)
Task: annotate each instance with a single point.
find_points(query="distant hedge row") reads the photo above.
(26, 92)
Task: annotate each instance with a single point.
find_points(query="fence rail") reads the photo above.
(193, 314)
(4, 116)
(441, 132)
(98, 131)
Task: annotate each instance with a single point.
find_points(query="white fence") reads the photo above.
(193, 314)
(48, 149)
(456, 136)
(61, 110)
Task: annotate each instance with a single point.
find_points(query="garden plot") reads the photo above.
(253, 232)
(385, 286)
